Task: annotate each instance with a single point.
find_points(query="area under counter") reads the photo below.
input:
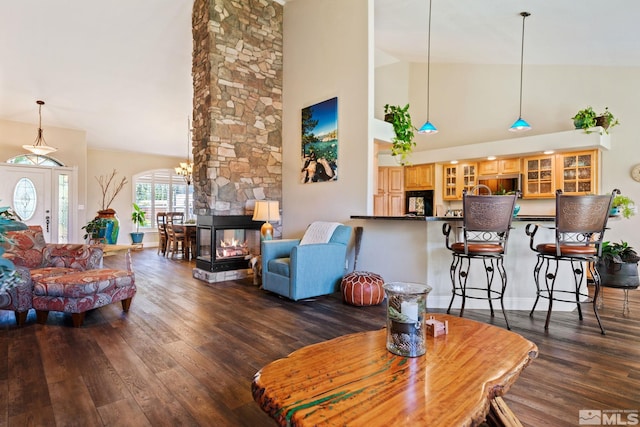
(412, 249)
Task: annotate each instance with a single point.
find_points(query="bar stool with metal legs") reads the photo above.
(485, 231)
(580, 224)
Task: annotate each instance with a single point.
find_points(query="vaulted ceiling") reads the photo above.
(121, 69)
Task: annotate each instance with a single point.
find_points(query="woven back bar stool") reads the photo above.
(580, 224)
(485, 232)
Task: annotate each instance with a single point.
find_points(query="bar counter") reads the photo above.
(519, 218)
(412, 249)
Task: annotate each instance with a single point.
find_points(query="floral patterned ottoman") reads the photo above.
(81, 291)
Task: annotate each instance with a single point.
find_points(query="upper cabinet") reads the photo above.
(457, 178)
(419, 177)
(573, 173)
(578, 172)
(499, 167)
(539, 177)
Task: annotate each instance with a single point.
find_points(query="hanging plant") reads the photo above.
(403, 142)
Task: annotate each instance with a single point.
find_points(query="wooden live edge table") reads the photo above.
(355, 381)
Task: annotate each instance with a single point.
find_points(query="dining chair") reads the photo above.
(580, 224)
(175, 240)
(486, 221)
(161, 223)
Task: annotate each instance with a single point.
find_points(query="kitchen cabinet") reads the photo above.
(578, 172)
(572, 172)
(389, 201)
(539, 177)
(419, 177)
(457, 178)
(498, 167)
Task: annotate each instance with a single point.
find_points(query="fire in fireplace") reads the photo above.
(226, 242)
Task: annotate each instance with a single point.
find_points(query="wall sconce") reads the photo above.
(268, 211)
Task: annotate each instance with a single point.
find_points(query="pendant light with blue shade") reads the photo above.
(521, 125)
(428, 127)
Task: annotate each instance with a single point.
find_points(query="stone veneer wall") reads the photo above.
(237, 106)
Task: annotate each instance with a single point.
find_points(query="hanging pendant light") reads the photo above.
(40, 146)
(521, 125)
(186, 168)
(428, 127)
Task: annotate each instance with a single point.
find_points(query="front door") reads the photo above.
(41, 196)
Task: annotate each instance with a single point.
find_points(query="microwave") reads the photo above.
(502, 183)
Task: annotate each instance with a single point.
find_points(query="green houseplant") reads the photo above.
(587, 118)
(623, 205)
(403, 128)
(607, 120)
(618, 266)
(138, 218)
(95, 229)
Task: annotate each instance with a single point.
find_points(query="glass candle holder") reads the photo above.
(406, 309)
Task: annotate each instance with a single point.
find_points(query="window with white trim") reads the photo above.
(162, 190)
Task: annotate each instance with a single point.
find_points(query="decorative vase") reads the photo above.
(406, 309)
(113, 225)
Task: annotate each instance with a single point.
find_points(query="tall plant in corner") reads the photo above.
(403, 142)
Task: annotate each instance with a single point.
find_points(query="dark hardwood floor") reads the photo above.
(187, 351)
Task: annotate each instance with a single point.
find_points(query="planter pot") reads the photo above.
(603, 121)
(614, 275)
(136, 237)
(113, 225)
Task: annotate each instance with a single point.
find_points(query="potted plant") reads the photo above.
(607, 120)
(138, 218)
(623, 205)
(618, 265)
(403, 142)
(587, 118)
(95, 230)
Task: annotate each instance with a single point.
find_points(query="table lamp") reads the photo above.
(266, 210)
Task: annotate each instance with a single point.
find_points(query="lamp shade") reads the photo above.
(266, 210)
(428, 127)
(520, 125)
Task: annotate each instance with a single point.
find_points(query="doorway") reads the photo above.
(44, 196)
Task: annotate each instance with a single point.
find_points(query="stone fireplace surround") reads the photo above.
(237, 109)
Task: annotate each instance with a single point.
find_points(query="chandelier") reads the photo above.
(40, 146)
(186, 168)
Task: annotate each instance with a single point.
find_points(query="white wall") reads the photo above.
(102, 162)
(477, 103)
(71, 145)
(72, 151)
(327, 51)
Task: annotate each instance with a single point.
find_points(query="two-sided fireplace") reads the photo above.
(226, 242)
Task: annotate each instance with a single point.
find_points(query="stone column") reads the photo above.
(237, 106)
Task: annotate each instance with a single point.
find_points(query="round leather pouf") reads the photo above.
(362, 288)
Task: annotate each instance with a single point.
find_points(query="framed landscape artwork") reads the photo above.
(320, 142)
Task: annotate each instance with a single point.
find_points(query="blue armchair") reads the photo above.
(304, 271)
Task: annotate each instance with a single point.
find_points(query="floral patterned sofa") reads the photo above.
(65, 277)
(19, 297)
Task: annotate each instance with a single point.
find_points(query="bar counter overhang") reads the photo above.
(412, 249)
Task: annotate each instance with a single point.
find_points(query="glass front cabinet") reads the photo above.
(573, 173)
